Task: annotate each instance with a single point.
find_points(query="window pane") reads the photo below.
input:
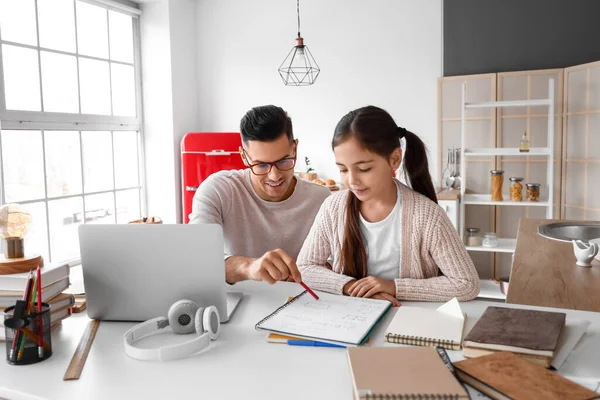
(100, 209)
(128, 206)
(63, 163)
(121, 36)
(17, 21)
(126, 159)
(21, 78)
(64, 239)
(59, 83)
(56, 19)
(123, 89)
(94, 86)
(36, 241)
(23, 165)
(92, 30)
(97, 161)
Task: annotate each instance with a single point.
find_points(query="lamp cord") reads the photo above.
(298, 11)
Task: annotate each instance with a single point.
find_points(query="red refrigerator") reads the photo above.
(203, 154)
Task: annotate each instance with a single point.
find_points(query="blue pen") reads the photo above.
(312, 344)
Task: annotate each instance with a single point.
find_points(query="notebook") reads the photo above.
(401, 373)
(8, 298)
(517, 330)
(506, 375)
(441, 327)
(333, 318)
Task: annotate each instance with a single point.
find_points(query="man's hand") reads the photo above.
(273, 266)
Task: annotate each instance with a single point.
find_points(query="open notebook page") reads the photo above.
(332, 318)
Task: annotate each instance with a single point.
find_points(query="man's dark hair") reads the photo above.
(266, 124)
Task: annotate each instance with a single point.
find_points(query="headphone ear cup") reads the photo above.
(198, 323)
(211, 322)
(182, 316)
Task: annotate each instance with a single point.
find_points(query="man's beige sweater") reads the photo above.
(435, 263)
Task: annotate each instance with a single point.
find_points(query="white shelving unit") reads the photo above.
(506, 245)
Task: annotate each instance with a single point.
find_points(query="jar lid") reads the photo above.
(533, 185)
(497, 171)
(515, 179)
(473, 230)
(490, 235)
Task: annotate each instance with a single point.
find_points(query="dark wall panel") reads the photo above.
(482, 36)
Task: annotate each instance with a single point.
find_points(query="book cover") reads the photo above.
(518, 330)
(506, 375)
(401, 373)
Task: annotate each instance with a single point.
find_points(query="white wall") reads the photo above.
(386, 53)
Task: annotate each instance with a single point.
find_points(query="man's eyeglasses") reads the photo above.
(263, 168)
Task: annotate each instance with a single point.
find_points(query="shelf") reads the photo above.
(507, 151)
(486, 199)
(504, 246)
(510, 103)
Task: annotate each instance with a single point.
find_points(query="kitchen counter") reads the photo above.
(544, 272)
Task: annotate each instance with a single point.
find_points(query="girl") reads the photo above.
(387, 241)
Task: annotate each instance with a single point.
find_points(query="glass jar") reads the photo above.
(497, 181)
(516, 188)
(533, 192)
(473, 237)
(490, 239)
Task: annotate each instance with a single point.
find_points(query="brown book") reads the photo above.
(401, 373)
(506, 375)
(517, 330)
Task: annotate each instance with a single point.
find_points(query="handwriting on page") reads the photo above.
(331, 317)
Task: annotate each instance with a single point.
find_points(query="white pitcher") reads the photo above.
(585, 252)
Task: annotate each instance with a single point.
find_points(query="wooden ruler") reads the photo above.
(81, 352)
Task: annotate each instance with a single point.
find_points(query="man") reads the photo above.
(265, 211)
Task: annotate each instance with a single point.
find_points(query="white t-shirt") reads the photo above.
(384, 240)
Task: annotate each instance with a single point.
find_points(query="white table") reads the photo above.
(241, 364)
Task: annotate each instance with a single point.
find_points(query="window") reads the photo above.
(70, 136)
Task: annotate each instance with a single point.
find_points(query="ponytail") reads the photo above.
(353, 257)
(416, 166)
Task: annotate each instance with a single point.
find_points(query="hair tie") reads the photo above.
(401, 132)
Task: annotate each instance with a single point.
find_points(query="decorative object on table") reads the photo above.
(508, 376)
(473, 237)
(497, 182)
(516, 188)
(15, 222)
(524, 144)
(299, 67)
(147, 220)
(533, 192)
(585, 252)
(417, 326)
(532, 334)
(309, 175)
(490, 239)
(597, 241)
(402, 373)
(81, 352)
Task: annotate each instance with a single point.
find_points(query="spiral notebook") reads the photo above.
(440, 327)
(333, 318)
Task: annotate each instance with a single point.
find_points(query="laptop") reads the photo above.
(135, 272)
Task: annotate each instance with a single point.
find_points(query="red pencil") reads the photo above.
(40, 319)
(309, 291)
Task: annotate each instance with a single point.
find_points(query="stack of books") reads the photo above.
(55, 280)
(531, 334)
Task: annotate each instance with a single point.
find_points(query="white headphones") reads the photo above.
(184, 317)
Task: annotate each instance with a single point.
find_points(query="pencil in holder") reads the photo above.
(28, 335)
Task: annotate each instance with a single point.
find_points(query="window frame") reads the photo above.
(50, 121)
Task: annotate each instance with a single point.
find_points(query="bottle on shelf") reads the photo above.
(524, 146)
(497, 181)
(516, 188)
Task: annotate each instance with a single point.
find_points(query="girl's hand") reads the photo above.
(370, 286)
(388, 297)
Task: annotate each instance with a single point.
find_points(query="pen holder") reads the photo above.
(23, 334)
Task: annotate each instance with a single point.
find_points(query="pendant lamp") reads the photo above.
(299, 67)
